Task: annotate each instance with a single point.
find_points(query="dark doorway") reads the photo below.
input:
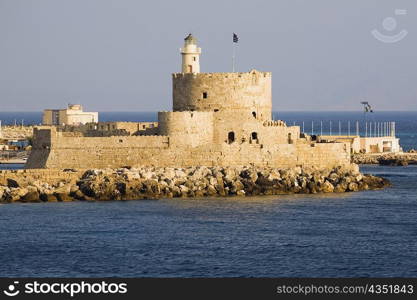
(231, 137)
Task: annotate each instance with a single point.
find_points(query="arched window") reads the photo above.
(254, 114)
(290, 139)
(254, 135)
(231, 137)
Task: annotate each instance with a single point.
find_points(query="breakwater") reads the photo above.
(386, 159)
(155, 183)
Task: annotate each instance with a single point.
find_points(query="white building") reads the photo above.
(73, 115)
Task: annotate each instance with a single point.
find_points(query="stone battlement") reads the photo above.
(274, 123)
(236, 75)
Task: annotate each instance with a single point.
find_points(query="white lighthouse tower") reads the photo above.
(190, 55)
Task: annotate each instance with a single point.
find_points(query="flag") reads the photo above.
(235, 38)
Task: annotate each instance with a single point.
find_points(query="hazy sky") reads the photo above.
(119, 54)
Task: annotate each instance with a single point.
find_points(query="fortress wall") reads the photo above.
(243, 126)
(278, 156)
(187, 128)
(102, 158)
(324, 155)
(224, 91)
(279, 135)
(64, 141)
(54, 149)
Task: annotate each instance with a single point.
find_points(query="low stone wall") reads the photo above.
(154, 183)
(386, 159)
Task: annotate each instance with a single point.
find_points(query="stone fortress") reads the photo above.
(218, 119)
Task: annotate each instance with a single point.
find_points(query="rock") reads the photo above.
(249, 174)
(212, 181)
(211, 190)
(230, 175)
(313, 187)
(237, 186)
(176, 191)
(240, 193)
(184, 190)
(11, 183)
(63, 188)
(327, 187)
(333, 177)
(353, 187)
(63, 197)
(354, 169)
(126, 184)
(48, 198)
(340, 188)
(393, 162)
(32, 196)
(221, 191)
(78, 195)
(74, 188)
(274, 175)
(180, 173)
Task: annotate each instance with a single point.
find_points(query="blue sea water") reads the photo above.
(362, 234)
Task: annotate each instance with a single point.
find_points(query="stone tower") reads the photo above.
(190, 55)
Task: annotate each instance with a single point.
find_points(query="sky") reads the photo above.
(118, 55)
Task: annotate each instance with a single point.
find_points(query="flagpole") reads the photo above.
(233, 57)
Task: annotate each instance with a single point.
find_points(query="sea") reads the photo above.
(363, 234)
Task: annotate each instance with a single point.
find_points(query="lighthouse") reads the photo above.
(190, 55)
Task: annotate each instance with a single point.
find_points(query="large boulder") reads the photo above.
(48, 198)
(327, 187)
(353, 187)
(63, 197)
(32, 196)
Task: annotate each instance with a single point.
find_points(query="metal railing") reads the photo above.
(348, 128)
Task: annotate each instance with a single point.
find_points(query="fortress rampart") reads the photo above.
(57, 151)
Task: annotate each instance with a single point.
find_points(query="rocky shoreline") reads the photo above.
(386, 159)
(156, 183)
